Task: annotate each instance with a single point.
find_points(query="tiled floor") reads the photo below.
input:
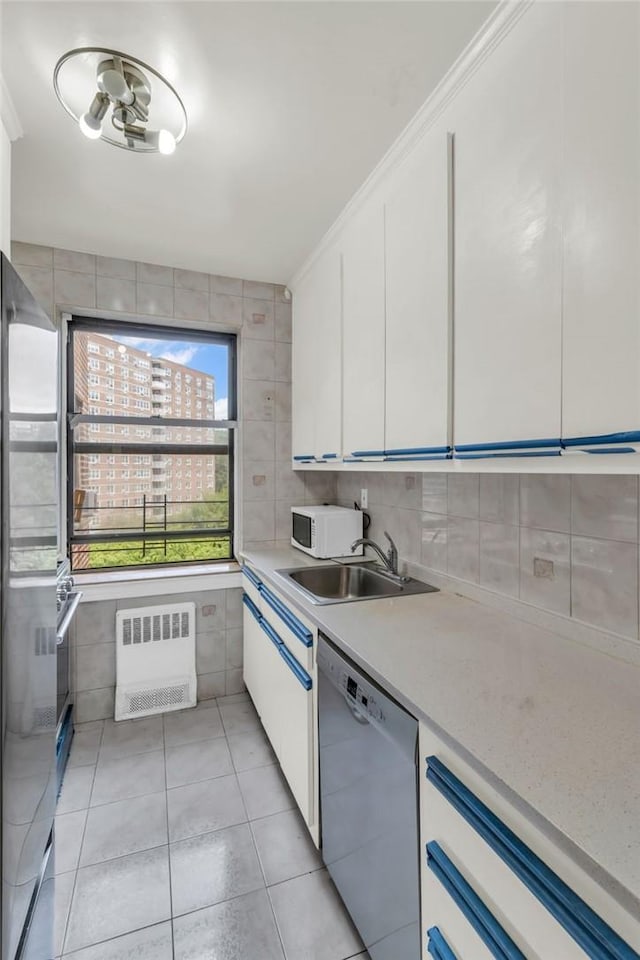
(178, 839)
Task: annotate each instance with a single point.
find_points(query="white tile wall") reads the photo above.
(567, 544)
(267, 485)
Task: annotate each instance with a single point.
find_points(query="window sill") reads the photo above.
(120, 585)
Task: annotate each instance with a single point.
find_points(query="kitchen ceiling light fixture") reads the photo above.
(119, 84)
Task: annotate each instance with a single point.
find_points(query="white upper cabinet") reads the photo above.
(317, 368)
(508, 256)
(363, 312)
(328, 358)
(305, 310)
(601, 314)
(417, 299)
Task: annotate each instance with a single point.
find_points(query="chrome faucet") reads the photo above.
(389, 559)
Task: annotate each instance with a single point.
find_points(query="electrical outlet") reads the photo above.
(364, 498)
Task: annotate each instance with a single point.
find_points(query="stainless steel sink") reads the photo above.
(344, 583)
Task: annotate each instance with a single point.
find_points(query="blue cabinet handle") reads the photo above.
(270, 632)
(299, 672)
(251, 607)
(438, 946)
(589, 931)
(250, 575)
(495, 938)
(296, 626)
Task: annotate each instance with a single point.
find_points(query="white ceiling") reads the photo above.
(290, 107)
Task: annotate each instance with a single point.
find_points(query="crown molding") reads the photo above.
(8, 113)
(490, 35)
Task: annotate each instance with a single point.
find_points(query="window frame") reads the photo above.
(76, 324)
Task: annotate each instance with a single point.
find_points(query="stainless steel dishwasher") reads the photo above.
(369, 805)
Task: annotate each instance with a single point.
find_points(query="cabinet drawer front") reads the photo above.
(251, 585)
(293, 631)
(438, 947)
(492, 934)
(583, 925)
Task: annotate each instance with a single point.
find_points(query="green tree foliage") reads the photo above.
(211, 511)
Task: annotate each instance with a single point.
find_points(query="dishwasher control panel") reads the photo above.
(363, 699)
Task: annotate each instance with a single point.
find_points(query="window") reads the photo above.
(151, 517)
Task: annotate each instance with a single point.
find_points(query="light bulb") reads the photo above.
(90, 126)
(166, 142)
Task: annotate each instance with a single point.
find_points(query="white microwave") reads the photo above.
(326, 532)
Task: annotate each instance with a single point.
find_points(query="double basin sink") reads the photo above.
(344, 583)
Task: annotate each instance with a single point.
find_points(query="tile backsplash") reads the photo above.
(566, 544)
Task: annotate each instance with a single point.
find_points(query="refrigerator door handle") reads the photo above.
(68, 617)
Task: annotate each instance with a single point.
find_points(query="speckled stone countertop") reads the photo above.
(555, 724)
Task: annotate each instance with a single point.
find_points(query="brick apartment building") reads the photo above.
(115, 379)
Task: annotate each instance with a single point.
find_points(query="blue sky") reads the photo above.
(208, 358)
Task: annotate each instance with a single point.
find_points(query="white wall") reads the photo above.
(5, 191)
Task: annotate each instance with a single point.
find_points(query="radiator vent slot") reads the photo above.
(155, 660)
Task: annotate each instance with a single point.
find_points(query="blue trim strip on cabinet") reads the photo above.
(300, 673)
(514, 453)
(250, 575)
(270, 632)
(422, 457)
(509, 445)
(627, 436)
(367, 453)
(438, 946)
(304, 456)
(296, 626)
(410, 451)
(592, 934)
(495, 938)
(329, 456)
(611, 450)
(251, 607)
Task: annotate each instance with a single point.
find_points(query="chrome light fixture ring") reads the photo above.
(135, 62)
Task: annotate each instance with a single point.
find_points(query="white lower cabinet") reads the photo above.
(280, 676)
(492, 883)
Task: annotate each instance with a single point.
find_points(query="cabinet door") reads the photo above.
(317, 360)
(363, 331)
(295, 745)
(252, 643)
(417, 300)
(327, 385)
(261, 670)
(305, 312)
(508, 142)
(601, 322)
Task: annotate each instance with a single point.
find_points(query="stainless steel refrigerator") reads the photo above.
(28, 459)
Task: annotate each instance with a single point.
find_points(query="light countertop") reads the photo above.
(554, 723)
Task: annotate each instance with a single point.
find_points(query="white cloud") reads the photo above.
(222, 407)
(183, 356)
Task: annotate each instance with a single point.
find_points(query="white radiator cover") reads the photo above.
(155, 660)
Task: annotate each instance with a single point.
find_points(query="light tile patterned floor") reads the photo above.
(177, 839)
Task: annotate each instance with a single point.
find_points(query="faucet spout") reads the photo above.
(389, 559)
